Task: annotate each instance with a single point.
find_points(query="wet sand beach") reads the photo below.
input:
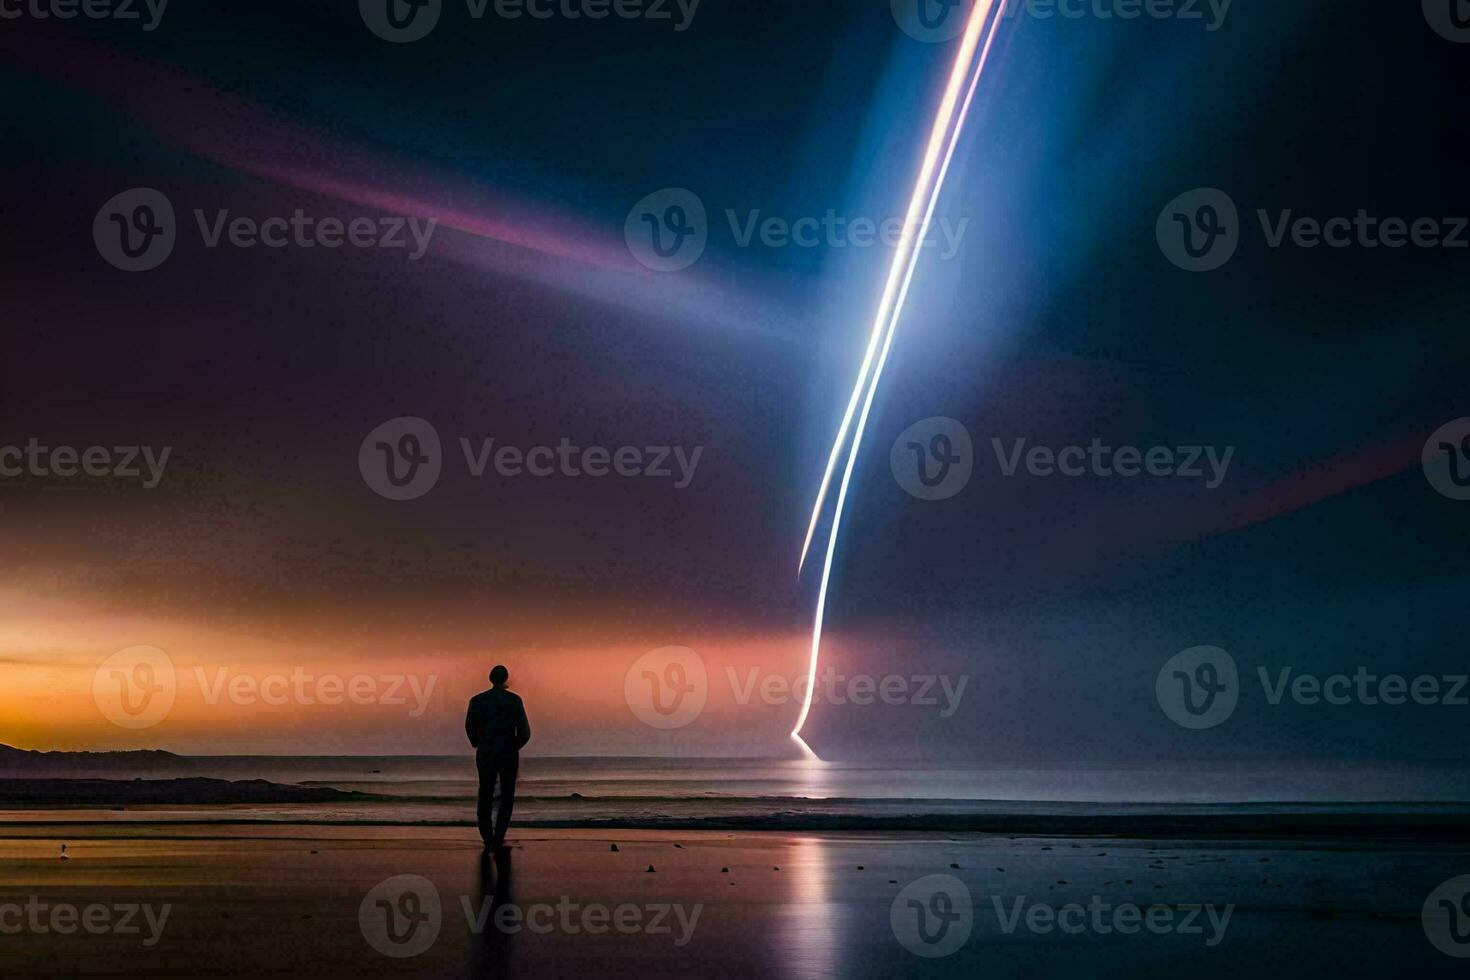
(306, 900)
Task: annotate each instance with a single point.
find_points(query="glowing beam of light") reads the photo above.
(949, 122)
(889, 307)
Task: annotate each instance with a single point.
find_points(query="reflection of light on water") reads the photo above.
(814, 927)
(811, 777)
(815, 930)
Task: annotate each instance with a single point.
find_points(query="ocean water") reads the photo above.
(443, 789)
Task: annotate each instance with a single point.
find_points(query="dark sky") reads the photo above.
(1058, 320)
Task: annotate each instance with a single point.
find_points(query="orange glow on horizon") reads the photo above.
(237, 693)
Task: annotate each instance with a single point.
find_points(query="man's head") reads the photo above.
(499, 675)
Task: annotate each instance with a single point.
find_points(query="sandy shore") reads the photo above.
(300, 900)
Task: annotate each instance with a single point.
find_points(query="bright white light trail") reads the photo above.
(949, 122)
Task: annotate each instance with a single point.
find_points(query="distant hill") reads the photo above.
(29, 761)
(136, 792)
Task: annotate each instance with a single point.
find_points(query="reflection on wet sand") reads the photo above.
(490, 951)
(814, 929)
(287, 900)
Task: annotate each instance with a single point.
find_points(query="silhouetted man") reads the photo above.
(497, 727)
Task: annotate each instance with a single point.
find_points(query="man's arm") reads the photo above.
(523, 728)
(472, 726)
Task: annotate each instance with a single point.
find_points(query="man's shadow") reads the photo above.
(490, 950)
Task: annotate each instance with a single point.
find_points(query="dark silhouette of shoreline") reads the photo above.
(195, 790)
